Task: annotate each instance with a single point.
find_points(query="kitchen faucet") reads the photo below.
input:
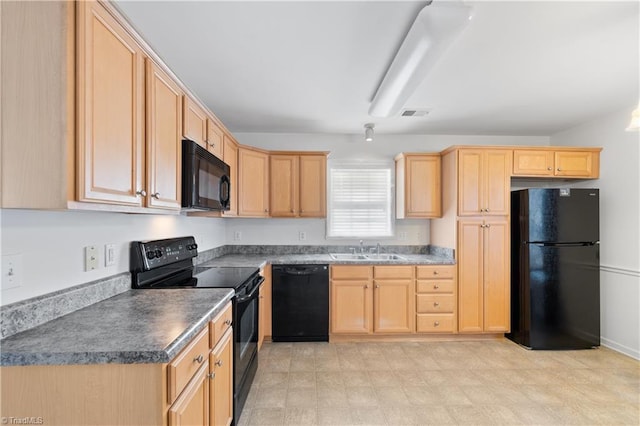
(361, 247)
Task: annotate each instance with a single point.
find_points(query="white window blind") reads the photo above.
(360, 201)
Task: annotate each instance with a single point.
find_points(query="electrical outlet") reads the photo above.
(11, 271)
(402, 235)
(90, 258)
(237, 236)
(302, 236)
(109, 254)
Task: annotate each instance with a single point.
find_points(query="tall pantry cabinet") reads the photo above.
(475, 222)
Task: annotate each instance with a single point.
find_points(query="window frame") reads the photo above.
(353, 164)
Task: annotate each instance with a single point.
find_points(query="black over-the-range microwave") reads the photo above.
(205, 179)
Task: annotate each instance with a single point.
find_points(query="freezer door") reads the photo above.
(560, 215)
(563, 296)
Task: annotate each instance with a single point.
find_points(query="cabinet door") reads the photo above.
(230, 156)
(221, 400)
(574, 164)
(283, 181)
(422, 186)
(496, 277)
(532, 163)
(194, 122)
(497, 182)
(393, 306)
(470, 178)
(350, 307)
(313, 186)
(253, 183)
(470, 275)
(110, 85)
(261, 317)
(164, 153)
(192, 407)
(215, 138)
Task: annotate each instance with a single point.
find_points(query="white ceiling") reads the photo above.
(519, 68)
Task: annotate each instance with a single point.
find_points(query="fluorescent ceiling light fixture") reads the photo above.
(634, 125)
(368, 132)
(434, 29)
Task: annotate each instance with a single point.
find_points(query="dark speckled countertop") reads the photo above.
(259, 260)
(138, 326)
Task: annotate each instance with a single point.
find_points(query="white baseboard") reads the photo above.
(633, 353)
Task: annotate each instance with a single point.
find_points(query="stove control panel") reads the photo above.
(148, 255)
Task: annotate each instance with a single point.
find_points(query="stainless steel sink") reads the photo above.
(348, 256)
(371, 257)
(385, 256)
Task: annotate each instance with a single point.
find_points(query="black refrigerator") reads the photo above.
(555, 268)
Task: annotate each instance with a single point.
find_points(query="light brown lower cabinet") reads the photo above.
(192, 407)
(371, 299)
(221, 374)
(181, 392)
(436, 302)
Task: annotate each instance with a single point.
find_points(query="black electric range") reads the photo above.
(168, 263)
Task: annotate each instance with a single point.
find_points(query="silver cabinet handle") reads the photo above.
(549, 168)
(211, 375)
(436, 286)
(156, 195)
(377, 285)
(559, 169)
(219, 363)
(227, 322)
(142, 192)
(199, 359)
(435, 272)
(366, 286)
(436, 323)
(436, 304)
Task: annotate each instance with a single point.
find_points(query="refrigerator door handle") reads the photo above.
(584, 244)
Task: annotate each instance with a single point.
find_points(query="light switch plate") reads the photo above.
(237, 236)
(302, 236)
(90, 258)
(109, 254)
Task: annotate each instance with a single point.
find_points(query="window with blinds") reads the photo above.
(360, 201)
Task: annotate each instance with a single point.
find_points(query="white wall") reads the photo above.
(619, 224)
(51, 243)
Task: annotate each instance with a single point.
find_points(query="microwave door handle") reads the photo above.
(225, 190)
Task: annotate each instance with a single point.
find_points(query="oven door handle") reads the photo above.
(253, 294)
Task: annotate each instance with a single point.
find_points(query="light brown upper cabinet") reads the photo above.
(418, 186)
(215, 138)
(194, 122)
(110, 110)
(253, 182)
(164, 142)
(557, 162)
(230, 156)
(298, 184)
(483, 181)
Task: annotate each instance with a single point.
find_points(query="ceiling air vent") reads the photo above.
(414, 113)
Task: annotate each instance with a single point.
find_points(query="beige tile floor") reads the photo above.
(438, 383)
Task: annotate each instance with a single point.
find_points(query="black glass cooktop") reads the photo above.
(227, 277)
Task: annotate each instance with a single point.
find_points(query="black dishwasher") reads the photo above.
(300, 303)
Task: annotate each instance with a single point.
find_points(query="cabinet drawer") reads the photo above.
(434, 323)
(393, 272)
(186, 364)
(219, 325)
(434, 303)
(435, 286)
(351, 272)
(437, 272)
